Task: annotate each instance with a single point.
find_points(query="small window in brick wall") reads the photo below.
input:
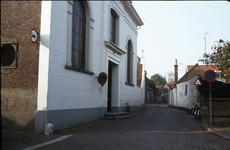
(9, 55)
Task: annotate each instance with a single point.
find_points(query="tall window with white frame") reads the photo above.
(113, 22)
(78, 35)
(129, 62)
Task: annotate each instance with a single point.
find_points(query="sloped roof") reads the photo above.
(194, 71)
(205, 67)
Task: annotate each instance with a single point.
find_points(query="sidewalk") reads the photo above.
(219, 130)
(12, 140)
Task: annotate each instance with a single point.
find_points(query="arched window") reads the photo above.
(113, 24)
(129, 62)
(78, 35)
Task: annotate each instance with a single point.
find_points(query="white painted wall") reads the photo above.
(178, 97)
(44, 54)
(68, 89)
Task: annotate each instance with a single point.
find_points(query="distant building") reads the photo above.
(184, 92)
(149, 97)
(161, 94)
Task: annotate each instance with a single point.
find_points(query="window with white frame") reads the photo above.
(78, 35)
(113, 26)
(129, 62)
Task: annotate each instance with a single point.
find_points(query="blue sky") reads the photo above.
(172, 31)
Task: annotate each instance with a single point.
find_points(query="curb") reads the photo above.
(215, 132)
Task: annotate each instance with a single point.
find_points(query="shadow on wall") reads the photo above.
(18, 108)
(8, 124)
(45, 40)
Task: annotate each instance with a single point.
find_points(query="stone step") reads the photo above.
(116, 113)
(126, 116)
(118, 117)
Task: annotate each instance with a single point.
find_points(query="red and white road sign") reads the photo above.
(197, 82)
(210, 75)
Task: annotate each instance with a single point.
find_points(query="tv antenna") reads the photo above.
(204, 40)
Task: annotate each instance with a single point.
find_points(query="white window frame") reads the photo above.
(88, 35)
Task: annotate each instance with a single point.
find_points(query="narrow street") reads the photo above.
(157, 127)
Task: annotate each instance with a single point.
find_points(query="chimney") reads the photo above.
(142, 58)
(175, 72)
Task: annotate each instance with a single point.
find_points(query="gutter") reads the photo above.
(133, 12)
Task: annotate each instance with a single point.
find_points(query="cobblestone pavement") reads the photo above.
(157, 127)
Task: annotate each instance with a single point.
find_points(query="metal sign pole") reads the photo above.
(210, 103)
(210, 76)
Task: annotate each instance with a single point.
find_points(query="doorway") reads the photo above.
(113, 84)
(109, 95)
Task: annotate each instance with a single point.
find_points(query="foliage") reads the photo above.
(220, 58)
(151, 84)
(158, 79)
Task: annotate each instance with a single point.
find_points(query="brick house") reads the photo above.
(54, 80)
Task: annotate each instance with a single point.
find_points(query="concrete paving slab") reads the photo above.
(219, 130)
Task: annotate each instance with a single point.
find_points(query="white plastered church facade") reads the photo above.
(78, 41)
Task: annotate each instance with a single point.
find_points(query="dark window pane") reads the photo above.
(77, 8)
(75, 59)
(7, 55)
(113, 38)
(110, 38)
(75, 42)
(80, 43)
(78, 35)
(129, 64)
(82, 60)
(78, 25)
(113, 26)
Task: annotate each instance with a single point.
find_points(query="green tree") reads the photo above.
(150, 84)
(158, 79)
(220, 57)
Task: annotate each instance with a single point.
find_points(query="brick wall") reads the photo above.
(17, 20)
(19, 86)
(220, 110)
